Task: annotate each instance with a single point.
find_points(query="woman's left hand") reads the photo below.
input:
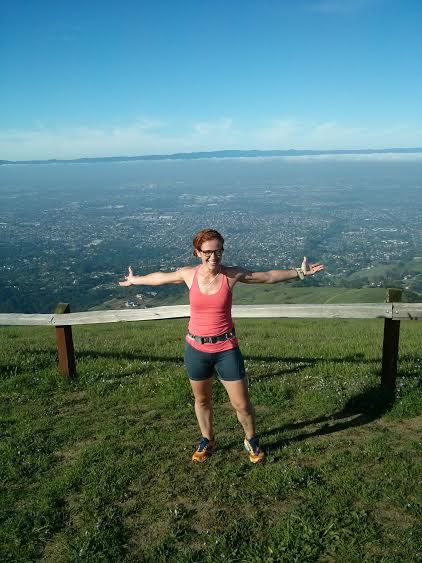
(311, 269)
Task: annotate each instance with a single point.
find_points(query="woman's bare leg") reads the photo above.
(202, 391)
(239, 397)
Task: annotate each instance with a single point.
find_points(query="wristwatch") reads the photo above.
(300, 273)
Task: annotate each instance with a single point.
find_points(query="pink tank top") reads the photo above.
(210, 315)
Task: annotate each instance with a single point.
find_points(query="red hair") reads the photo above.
(203, 236)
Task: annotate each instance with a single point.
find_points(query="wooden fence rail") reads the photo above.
(393, 311)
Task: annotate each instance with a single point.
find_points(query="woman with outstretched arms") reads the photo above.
(211, 345)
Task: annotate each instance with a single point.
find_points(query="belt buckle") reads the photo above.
(209, 339)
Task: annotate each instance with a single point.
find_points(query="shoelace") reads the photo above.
(254, 442)
(203, 443)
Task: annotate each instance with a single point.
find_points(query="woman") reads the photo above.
(211, 342)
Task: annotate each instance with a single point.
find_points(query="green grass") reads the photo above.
(411, 266)
(98, 468)
(245, 294)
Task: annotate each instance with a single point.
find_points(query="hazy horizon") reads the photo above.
(389, 153)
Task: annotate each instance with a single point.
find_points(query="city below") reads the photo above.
(69, 231)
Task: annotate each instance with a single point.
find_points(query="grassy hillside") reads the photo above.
(413, 266)
(269, 294)
(98, 469)
(279, 294)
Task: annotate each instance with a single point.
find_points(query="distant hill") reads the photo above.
(220, 154)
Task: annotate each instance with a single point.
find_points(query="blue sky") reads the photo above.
(136, 77)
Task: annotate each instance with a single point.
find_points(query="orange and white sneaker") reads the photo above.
(252, 447)
(204, 450)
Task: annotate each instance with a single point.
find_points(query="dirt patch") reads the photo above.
(72, 452)
(277, 507)
(75, 403)
(315, 443)
(408, 427)
(53, 551)
(356, 426)
(144, 531)
(391, 517)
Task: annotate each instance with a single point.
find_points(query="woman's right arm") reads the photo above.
(156, 278)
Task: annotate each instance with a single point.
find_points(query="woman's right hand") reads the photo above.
(128, 278)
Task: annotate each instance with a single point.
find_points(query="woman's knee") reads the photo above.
(202, 392)
(202, 401)
(243, 407)
(203, 396)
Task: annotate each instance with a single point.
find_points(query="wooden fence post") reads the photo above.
(390, 348)
(64, 341)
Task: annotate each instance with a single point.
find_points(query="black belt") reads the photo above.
(213, 339)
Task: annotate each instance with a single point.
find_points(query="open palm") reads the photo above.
(128, 279)
(311, 269)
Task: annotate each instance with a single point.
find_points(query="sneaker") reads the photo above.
(204, 450)
(252, 447)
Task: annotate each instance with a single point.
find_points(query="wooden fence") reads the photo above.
(393, 311)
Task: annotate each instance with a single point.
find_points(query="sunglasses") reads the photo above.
(209, 253)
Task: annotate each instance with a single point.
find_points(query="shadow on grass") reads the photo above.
(359, 410)
(355, 358)
(295, 364)
(306, 362)
(128, 356)
(26, 362)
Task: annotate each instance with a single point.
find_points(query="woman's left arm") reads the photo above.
(276, 276)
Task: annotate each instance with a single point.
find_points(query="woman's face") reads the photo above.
(211, 253)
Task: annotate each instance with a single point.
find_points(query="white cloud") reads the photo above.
(154, 136)
(220, 126)
(296, 134)
(135, 139)
(144, 136)
(280, 132)
(390, 156)
(328, 133)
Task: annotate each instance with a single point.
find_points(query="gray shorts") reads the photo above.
(228, 365)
